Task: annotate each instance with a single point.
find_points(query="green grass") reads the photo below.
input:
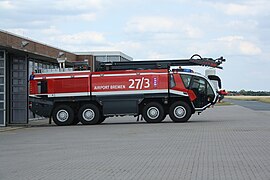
(265, 99)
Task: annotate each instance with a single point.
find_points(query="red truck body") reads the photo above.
(91, 97)
(79, 83)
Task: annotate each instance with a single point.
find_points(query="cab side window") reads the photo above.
(198, 85)
(172, 81)
(42, 87)
(186, 80)
(202, 84)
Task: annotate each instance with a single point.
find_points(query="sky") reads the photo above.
(238, 30)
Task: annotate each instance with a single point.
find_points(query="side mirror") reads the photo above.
(215, 78)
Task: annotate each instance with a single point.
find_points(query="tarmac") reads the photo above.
(225, 142)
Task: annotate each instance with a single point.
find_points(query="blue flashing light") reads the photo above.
(188, 70)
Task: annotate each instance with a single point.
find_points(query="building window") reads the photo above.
(100, 58)
(123, 59)
(2, 54)
(113, 58)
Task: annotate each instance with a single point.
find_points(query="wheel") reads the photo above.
(63, 115)
(180, 112)
(153, 112)
(101, 119)
(89, 114)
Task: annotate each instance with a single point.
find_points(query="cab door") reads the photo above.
(203, 91)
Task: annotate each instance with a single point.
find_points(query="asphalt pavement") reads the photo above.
(254, 105)
(226, 142)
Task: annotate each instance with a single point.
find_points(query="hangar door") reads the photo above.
(2, 88)
(19, 90)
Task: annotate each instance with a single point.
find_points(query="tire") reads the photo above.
(101, 119)
(180, 112)
(153, 112)
(89, 114)
(63, 115)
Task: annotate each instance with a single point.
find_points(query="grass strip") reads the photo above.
(265, 99)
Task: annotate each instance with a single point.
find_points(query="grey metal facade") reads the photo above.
(18, 88)
(2, 87)
(15, 68)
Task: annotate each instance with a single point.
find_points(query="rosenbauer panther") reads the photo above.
(152, 89)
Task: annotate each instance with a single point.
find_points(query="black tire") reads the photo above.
(101, 119)
(63, 115)
(153, 112)
(180, 112)
(89, 114)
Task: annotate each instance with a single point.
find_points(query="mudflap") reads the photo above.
(41, 106)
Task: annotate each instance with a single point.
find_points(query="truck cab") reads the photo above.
(200, 89)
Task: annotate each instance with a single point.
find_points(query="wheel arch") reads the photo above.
(63, 114)
(184, 99)
(145, 101)
(76, 104)
(166, 103)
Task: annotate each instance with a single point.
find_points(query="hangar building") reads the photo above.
(19, 57)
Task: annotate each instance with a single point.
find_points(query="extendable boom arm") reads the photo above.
(195, 60)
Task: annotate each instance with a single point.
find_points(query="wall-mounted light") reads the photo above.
(24, 43)
(60, 54)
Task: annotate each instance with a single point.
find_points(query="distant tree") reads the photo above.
(251, 93)
(242, 92)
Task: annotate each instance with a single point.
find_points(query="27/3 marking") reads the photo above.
(139, 83)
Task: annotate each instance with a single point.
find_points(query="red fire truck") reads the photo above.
(151, 89)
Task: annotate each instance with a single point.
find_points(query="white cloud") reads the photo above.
(126, 45)
(193, 32)
(78, 4)
(51, 31)
(248, 48)
(157, 55)
(246, 8)
(6, 5)
(82, 38)
(149, 24)
(87, 16)
(236, 9)
(163, 26)
(230, 38)
(55, 6)
(77, 17)
(243, 25)
(238, 44)
(37, 13)
(131, 48)
(200, 48)
(19, 31)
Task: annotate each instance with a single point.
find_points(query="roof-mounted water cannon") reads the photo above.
(215, 63)
(220, 60)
